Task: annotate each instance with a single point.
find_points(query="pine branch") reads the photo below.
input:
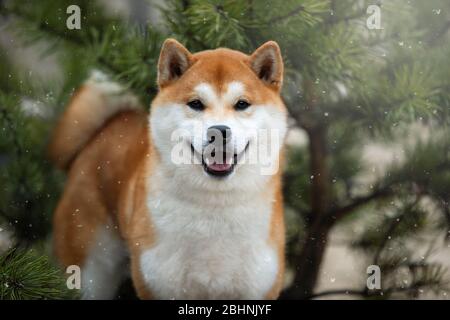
(13, 133)
(446, 210)
(66, 36)
(73, 39)
(27, 275)
(333, 21)
(355, 204)
(366, 293)
(395, 221)
(351, 292)
(290, 14)
(434, 40)
(22, 202)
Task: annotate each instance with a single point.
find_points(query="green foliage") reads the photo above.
(25, 275)
(297, 181)
(355, 84)
(218, 23)
(133, 60)
(427, 165)
(50, 17)
(33, 185)
(395, 224)
(209, 24)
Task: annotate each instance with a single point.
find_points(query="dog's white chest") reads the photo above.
(207, 252)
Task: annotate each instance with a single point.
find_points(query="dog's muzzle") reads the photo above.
(218, 156)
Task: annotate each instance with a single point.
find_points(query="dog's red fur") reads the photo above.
(109, 156)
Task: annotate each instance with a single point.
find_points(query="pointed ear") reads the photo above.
(267, 63)
(174, 60)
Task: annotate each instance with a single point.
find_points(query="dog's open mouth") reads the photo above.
(221, 168)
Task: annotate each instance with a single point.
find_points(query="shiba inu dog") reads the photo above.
(141, 188)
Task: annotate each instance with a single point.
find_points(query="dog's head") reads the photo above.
(218, 120)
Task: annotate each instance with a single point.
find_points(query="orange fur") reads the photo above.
(110, 154)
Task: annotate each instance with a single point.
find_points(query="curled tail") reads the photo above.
(96, 101)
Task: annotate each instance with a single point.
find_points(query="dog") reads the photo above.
(133, 204)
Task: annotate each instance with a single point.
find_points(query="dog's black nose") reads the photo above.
(219, 132)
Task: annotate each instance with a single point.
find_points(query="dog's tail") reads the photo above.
(96, 101)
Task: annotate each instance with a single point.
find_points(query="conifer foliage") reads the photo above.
(347, 86)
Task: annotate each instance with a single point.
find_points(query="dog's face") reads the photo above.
(218, 120)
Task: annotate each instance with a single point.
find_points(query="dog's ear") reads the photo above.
(267, 63)
(174, 60)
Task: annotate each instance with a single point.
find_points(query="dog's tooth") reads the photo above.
(207, 161)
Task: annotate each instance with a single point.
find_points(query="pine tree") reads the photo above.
(346, 86)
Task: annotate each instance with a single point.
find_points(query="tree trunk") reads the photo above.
(308, 263)
(309, 260)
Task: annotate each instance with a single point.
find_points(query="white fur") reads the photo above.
(207, 94)
(235, 90)
(210, 244)
(103, 269)
(115, 96)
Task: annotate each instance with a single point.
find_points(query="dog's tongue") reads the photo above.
(219, 166)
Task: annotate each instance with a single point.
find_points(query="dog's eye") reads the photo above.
(196, 105)
(241, 105)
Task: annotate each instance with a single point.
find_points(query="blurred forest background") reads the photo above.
(367, 179)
